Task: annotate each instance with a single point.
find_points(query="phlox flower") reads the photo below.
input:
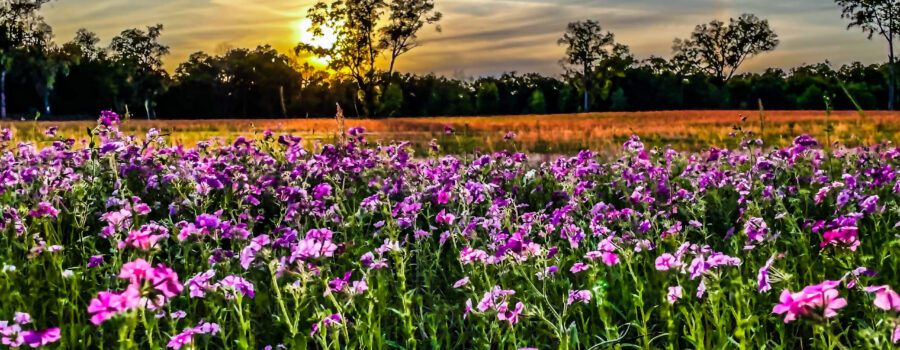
(39, 338)
(674, 294)
(165, 280)
(199, 284)
(108, 304)
(511, 316)
(885, 298)
(44, 209)
(820, 297)
(235, 284)
(135, 271)
(845, 237)
(22, 317)
(578, 267)
(11, 335)
(762, 276)
(579, 295)
(666, 261)
(462, 282)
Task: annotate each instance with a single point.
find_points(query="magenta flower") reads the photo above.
(578, 267)
(165, 280)
(135, 271)
(821, 297)
(885, 298)
(579, 295)
(666, 261)
(44, 209)
(236, 284)
(461, 282)
(108, 304)
(39, 338)
(844, 237)
(511, 316)
(199, 284)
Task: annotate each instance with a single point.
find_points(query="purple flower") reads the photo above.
(234, 284)
(579, 295)
(95, 261)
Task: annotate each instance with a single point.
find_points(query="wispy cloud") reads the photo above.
(481, 37)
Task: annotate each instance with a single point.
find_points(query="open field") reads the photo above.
(134, 244)
(541, 134)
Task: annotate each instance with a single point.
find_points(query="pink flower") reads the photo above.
(236, 284)
(12, 335)
(822, 297)
(896, 336)
(885, 298)
(462, 282)
(36, 339)
(199, 284)
(511, 316)
(610, 259)
(844, 237)
(579, 295)
(135, 271)
(165, 280)
(22, 318)
(108, 304)
(578, 267)
(666, 261)
(674, 294)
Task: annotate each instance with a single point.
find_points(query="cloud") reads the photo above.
(481, 37)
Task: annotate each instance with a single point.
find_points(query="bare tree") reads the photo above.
(720, 49)
(881, 17)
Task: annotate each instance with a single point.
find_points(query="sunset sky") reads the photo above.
(480, 37)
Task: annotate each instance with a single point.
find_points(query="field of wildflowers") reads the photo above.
(125, 241)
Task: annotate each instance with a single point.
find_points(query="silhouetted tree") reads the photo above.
(720, 49)
(21, 29)
(139, 54)
(363, 30)
(405, 19)
(586, 45)
(880, 17)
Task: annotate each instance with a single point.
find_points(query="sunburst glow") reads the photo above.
(326, 40)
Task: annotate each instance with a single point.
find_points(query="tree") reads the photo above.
(362, 34)
(881, 17)
(405, 19)
(586, 45)
(487, 98)
(720, 49)
(21, 28)
(139, 54)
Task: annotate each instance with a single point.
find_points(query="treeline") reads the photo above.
(41, 78)
(264, 83)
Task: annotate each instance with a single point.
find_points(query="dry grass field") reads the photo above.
(542, 134)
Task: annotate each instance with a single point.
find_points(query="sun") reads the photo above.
(326, 40)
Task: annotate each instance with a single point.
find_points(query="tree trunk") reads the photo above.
(586, 81)
(3, 94)
(891, 84)
(147, 107)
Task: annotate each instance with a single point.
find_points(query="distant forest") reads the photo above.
(43, 79)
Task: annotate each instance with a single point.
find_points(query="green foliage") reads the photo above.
(487, 99)
(536, 103)
(811, 98)
(391, 101)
